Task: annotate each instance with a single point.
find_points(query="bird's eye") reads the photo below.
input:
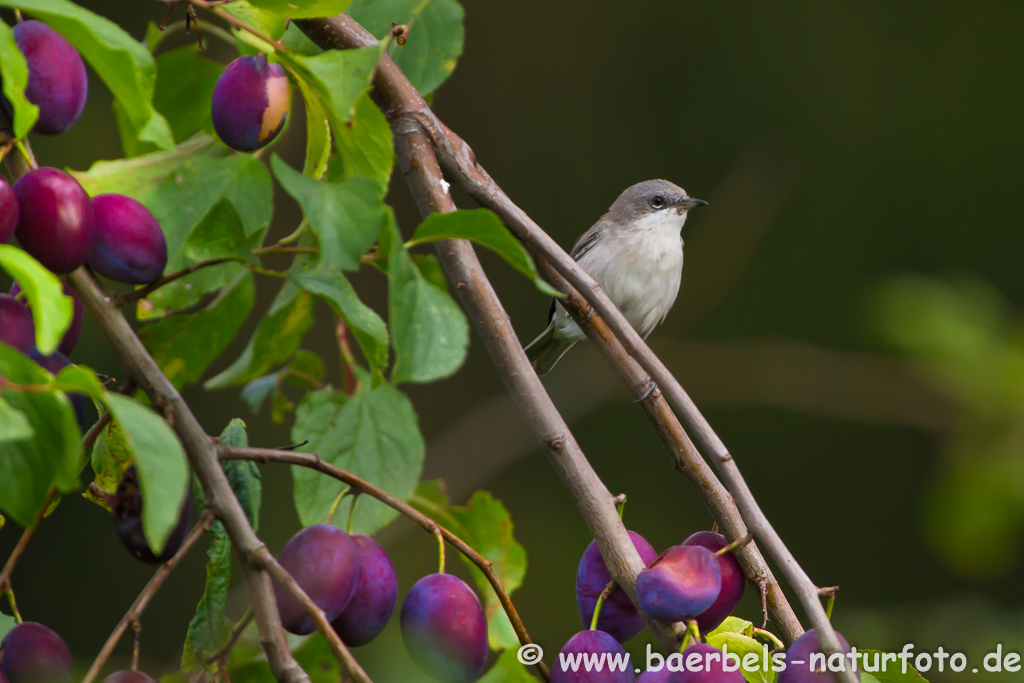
(658, 202)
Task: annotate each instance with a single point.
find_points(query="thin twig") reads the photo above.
(141, 602)
(237, 23)
(236, 633)
(361, 486)
(143, 292)
(26, 536)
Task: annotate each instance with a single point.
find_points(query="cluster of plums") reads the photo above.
(351, 578)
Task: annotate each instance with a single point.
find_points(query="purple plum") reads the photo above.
(16, 326)
(128, 676)
(70, 338)
(619, 617)
(250, 103)
(374, 600)
(609, 663)
(57, 82)
(32, 653)
(703, 663)
(8, 211)
(798, 660)
(324, 561)
(444, 628)
(127, 514)
(680, 584)
(56, 224)
(662, 675)
(129, 246)
(733, 580)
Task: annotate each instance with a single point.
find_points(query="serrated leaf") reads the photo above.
(209, 628)
(14, 78)
(279, 333)
(346, 217)
(508, 669)
(14, 426)
(111, 456)
(367, 327)
(51, 308)
(366, 145)
(243, 475)
(160, 462)
(374, 434)
(30, 467)
(171, 341)
(435, 41)
(125, 65)
(429, 333)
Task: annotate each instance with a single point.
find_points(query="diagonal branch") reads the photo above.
(360, 486)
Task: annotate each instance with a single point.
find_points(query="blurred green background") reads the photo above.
(846, 317)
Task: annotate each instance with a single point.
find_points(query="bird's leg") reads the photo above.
(651, 390)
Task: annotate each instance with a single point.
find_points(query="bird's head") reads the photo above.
(653, 203)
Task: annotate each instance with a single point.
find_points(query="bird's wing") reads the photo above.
(584, 244)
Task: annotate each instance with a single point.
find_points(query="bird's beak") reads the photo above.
(690, 202)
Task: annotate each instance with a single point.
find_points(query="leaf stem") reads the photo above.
(600, 603)
(740, 542)
(241, 25)
(692, 634)
(236, 632)
(336, 503)
(440, 548)
(352, 513)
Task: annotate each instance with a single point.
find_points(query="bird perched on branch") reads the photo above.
(635, 252)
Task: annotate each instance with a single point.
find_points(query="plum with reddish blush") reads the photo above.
(708, 667)
(127, 514)
(70, 338)
(56, 223)
(57, 81)
(662, 675)
(801, 651)
(32, 653)
(323, 561)
(128, 676)
(444, 628)
(16, 326)
(733, 580)
(374, 600)
(8, 211)
(619, 617)
(592, 643)
(250, 103)
(129, 245)
(680, 584)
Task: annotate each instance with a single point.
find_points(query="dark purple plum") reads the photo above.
(705, 668)
(444, 628)
(8, 211)
(16, 326)
(129, 246)
(127, 515)
(250, 103)
(374, 600)
(70, 338)
(128, 676)
(662, 675)
(57, 82)
(324, 562)
(592, 643)
(801, 651)
(32, 653)
(619, 617)
(733, 580)
(56, 224)
(680, 584)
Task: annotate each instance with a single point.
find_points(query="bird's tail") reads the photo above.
(545, 350)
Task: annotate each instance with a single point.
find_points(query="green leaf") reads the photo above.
(243, 475)
(508, 669)
(338, 77)
(160, 461)
(111, 456)
(733, 625)
(125, 65)
(255, 393)
(30, 467)
(346, 217)
(483, 227)
(741, 646)
(278, 335)
(306, 370)
(431, 270)
(209, 629)
(51, 308)
(14, 77)
(171, 341)
(315, 656)
(367, 327)
(184, 88)
(269, 23)
(894, 672)
(429, 333)
(302, 9)
(435, 40)
(7, 622)
(79, 379)
(318, 132)
(374, 435)
(220, 234)
(367, 144)
(14, 426)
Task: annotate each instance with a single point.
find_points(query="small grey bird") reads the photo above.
(635, 252)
